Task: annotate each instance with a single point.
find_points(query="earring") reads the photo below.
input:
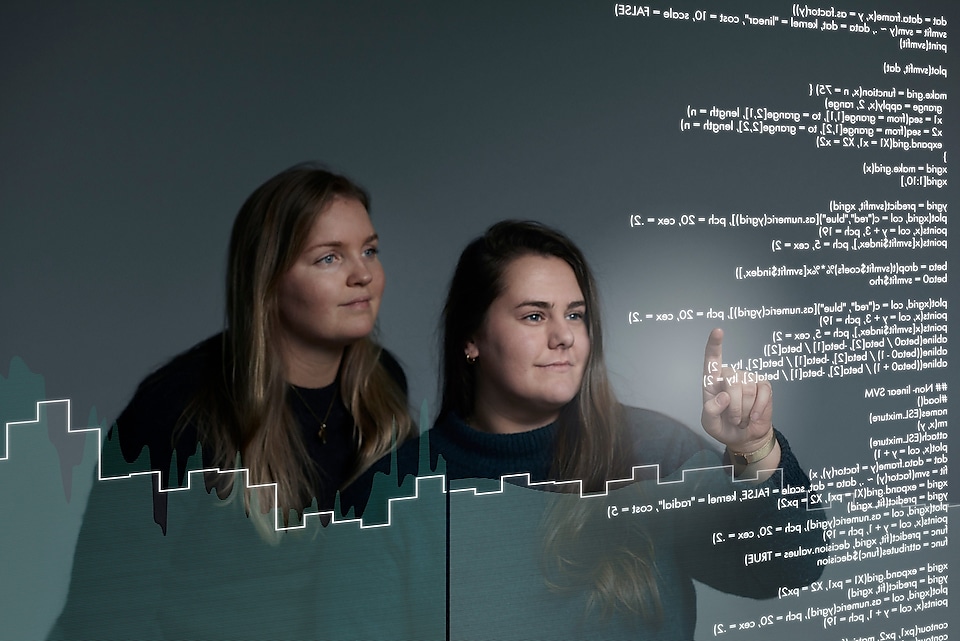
(471, 359)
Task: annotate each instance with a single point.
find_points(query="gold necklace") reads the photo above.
(322, 432)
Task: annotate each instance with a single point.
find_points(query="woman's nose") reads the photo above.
(359, 274)
(561, 335)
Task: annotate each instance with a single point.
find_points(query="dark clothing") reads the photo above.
(682, 513)
(210, 574)
(473, 562)
(153, 419)
(470, 453)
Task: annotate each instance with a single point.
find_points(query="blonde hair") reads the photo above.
(246, 410)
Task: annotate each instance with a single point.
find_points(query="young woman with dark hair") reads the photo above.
(523, 348)
(525, 391)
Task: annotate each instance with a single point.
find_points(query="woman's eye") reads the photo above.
(535, 317)
(577, 316)
(329, 259)
(371, 251)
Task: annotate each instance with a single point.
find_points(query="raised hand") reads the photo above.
(737, 409)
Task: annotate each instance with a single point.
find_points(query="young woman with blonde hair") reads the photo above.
(295, 391)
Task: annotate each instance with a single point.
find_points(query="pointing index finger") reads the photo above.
(713, 354)
(713, 365)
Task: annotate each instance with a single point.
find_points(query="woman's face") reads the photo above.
(532, 347)
(331, 295)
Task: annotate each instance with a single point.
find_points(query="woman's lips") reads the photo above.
(357, 303)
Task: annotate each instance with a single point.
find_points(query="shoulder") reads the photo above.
(151, 416)
(659, 439)
(187, 369)
(394, 369)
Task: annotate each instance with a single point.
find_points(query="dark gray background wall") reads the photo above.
(130, 133)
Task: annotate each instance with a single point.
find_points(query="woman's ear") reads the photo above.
(470, 351)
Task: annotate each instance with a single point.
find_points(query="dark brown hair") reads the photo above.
(590, 445)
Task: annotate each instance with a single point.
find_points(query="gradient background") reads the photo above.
(130, 133)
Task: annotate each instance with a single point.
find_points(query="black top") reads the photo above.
(152, 420)
(497, 552)
(657, 440)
